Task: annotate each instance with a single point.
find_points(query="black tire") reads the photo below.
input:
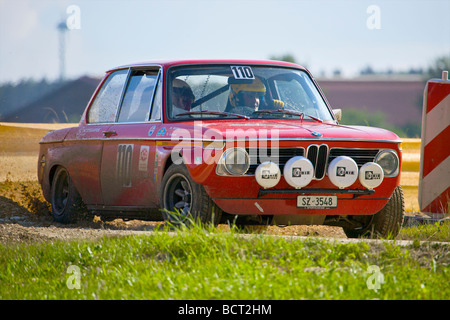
(67, 205)
(384, 224)
(184, 201)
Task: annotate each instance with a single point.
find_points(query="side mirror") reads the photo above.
(337, 114)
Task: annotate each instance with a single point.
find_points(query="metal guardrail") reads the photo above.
(411, 155)
(411, 144)
(410, 178)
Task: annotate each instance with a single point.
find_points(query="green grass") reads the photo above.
(205, 263)
(427, 232)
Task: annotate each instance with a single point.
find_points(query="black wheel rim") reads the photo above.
(61, 194)
(178, 197)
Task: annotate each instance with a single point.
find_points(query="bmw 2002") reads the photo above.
(213, 139)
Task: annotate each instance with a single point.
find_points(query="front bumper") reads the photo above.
(242, 195)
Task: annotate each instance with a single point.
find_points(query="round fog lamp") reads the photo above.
(343, 171)
(268, 174)
(298, 172)
(236, 161)
(371, 175)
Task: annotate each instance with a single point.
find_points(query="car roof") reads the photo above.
(169, 63)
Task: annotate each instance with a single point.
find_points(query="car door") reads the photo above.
(127, 169)
(86, 141)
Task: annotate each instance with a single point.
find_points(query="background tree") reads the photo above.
(437, 66)
(288, 57)
(363, 117)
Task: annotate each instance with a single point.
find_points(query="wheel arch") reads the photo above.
(51, 173)
(48, 182)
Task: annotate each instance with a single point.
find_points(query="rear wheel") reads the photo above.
(385, 223)
(66, 202)
(184, 201)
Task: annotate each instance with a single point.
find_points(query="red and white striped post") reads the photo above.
(434, 180)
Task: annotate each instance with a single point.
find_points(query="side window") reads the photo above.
(187, 93)
(138, 97)
(104, 107)
(157, 102)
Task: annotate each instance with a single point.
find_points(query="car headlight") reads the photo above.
(388, 160)
(234, 161)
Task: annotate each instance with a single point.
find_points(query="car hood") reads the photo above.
(290, 129)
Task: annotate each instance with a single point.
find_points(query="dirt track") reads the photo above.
(25, 216)
(22, 223)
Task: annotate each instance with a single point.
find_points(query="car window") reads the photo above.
(104, 107)
(157, 102)
(138, 96)
(295, 96)
(199, 87)
(260, 92)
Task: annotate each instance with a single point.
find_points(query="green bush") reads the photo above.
(378, 119)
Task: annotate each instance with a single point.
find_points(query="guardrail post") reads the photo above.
(434, 179)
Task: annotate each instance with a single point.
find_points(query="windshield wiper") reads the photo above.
(314, 118)
(287, 111)
(220, 113)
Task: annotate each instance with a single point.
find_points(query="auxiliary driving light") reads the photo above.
(343, 171)
(298, 172)
(371, 175)
(268, 174)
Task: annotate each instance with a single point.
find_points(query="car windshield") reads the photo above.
(243, 92)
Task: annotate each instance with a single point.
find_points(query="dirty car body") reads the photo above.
(222, 138)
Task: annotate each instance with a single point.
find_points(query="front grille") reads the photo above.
(318, 156)
(260, 155)
(361, 156)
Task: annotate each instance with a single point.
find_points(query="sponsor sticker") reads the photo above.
(143, 158)
(161, 132)
(298, 172)
(267, 174)
(152, 129)
(342, 172)
(370, 175)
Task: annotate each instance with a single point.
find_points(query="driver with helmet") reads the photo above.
(250, 95)
(182, 97)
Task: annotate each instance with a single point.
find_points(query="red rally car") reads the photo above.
(214, 139)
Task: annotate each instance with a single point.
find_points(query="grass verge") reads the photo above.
(206, 263)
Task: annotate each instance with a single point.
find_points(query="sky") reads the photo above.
(322, 35)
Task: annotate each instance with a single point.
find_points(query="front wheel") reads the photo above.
(65, 199)
(385, 223)
(184, 201)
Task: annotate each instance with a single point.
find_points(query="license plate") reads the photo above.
(316, 202)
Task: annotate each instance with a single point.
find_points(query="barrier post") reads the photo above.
(434, 178)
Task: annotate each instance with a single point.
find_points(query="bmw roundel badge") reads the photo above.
(317, 134)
